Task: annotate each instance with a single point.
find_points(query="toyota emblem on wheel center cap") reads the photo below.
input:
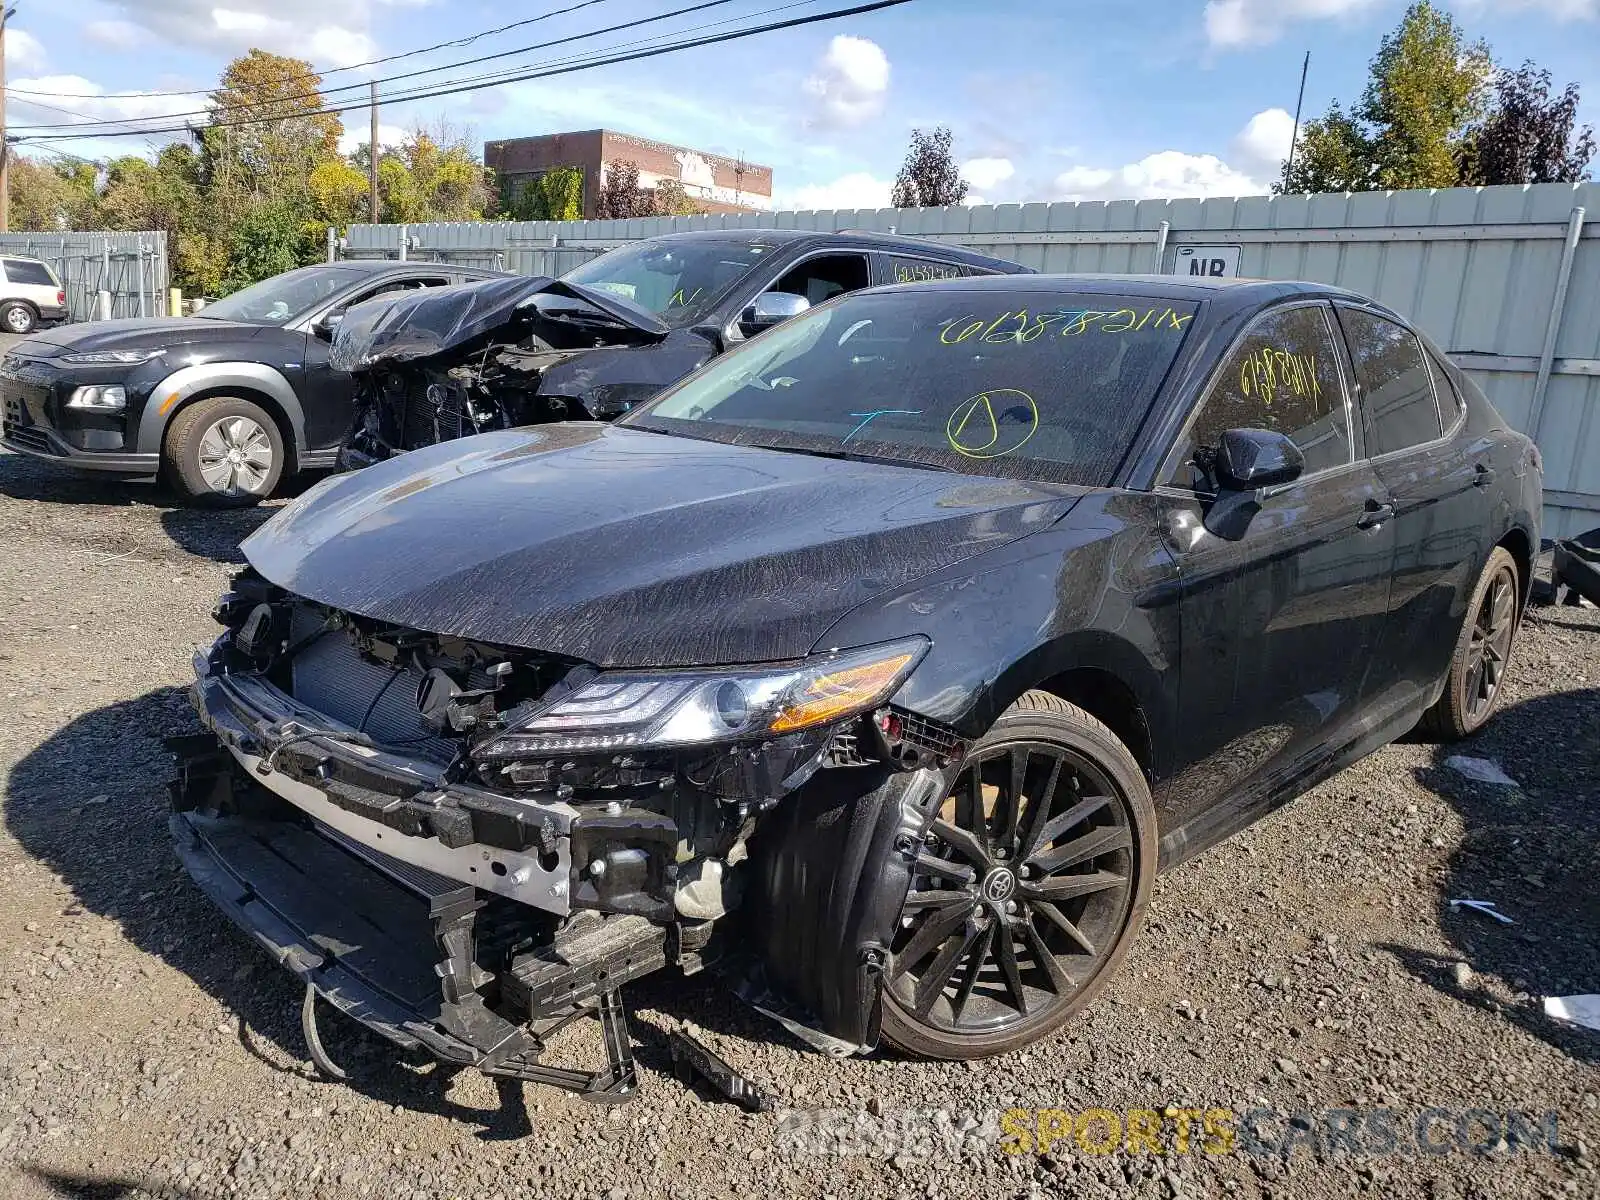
(998, 885)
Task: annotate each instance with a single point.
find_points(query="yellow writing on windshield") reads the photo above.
(1270, 373)
(1022, 326)
(679, 300)
(992, 423)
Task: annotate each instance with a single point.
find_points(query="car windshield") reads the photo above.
(679, 281)
(280, 299)
(1037, 384)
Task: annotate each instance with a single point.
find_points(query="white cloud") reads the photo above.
(987, 173)
(860, 189)
(849, 83)
(23, 51)
(1232, 23)
(1561, 10)
(1262, 145)
(330, 35)
(115, 35)
(86, 100)
(335, 46)
(357, 135)
(1165, 175)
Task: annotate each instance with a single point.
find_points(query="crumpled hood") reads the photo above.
(628, 548)
(132, 333)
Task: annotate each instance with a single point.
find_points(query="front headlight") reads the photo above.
(100, 398)
(111, 358)
(661, 709)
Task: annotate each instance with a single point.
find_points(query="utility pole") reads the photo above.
(372, 167)
(1294, 137)
(5, 143)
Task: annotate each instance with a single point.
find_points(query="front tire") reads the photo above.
(18, 318)
(1482, 654)
(224, 451)
(1030, 887)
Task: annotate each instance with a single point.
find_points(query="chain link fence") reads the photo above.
(132, 267)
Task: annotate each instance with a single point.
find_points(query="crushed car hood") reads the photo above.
(626, 548)
(432, 321)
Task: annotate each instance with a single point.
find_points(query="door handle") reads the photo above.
(1482, 476)
(1374, 514)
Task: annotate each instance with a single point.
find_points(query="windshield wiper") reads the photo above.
(861, 456)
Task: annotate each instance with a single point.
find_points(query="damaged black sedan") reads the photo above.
(880, 664)
(606, 336)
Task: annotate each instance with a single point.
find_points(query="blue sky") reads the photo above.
(1151, 98)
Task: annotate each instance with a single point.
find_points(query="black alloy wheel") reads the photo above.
(1030, 884)
(1483, 651)
(1489, 643)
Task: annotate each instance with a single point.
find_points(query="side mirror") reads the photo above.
(324, 328)
(771, 308)
(1246, 463)
(1249, 459)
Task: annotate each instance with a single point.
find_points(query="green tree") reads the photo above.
(556, 195)
(670, 200)
(929, 178)
(1331, 155)
(1426, 88)
(52, 197)
(270, 127)
(270, 239)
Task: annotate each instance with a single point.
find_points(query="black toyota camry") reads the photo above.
(881, 663)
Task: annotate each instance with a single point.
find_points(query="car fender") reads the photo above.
(175, 390)
(1098, 590)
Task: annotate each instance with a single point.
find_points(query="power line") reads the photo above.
(319, 75)
(323, 94)
(653, 52)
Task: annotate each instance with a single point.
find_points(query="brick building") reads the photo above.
(720, 184)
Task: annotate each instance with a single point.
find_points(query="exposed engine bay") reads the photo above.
(444, 363)
(518, 867)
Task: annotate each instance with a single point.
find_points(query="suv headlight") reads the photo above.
(661, 709)
(99, 398)
(106, 358)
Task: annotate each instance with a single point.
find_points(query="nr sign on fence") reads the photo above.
(1221, 262)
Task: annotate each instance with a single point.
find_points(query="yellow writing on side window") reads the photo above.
(1269, 373)
(1022, 327)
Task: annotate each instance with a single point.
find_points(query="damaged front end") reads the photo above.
(467, 846)
(444, 363)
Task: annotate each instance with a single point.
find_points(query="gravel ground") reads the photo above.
(1311, 963)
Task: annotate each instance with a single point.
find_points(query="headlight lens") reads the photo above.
(620, 710)
(103, 358)
(100, 398)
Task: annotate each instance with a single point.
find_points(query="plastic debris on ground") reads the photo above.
(1479, 770)
(1484, 908)
(1579, 1010)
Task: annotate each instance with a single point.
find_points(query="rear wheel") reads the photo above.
(17, 317)
(224, 451)
(1483, 651)
(1030, 887)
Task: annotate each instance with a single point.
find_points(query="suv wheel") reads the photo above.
(1031, 885)
(1477, 668)
(224, 451)
(17, 317)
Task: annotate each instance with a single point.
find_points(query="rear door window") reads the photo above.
(34, 274)
(1283, 376)
(1397, 395)
(903, 269)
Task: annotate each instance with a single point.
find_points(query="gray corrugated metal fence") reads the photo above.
(1507, 279)
(131, 266)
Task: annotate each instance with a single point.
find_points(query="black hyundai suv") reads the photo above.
(225, 403)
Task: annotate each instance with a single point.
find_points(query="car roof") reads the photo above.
(806, 238)
(1225, 294)
(379, 266)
